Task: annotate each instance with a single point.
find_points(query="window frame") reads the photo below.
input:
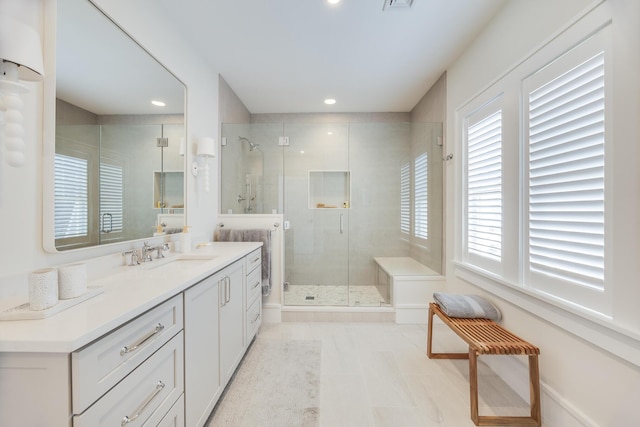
(616, 327)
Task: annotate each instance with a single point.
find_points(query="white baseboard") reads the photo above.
(412, 313)
(272, 313)
(556, 410)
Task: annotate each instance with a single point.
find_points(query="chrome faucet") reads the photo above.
(144, 254)
(146, 251)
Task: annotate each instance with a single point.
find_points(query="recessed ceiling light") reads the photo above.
(158, 103)
(333, 1)
(329, 101)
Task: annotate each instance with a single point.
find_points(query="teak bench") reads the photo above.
(485, 336)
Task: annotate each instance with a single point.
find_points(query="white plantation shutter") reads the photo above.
(421, 204)
(405, 198)
(71, 197)
(484, 187)
(566, 175)
(111, 197)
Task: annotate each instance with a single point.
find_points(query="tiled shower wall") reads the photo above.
(372, 147)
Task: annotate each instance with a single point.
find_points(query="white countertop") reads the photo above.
(128, 292)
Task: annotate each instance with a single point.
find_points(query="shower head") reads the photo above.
(252, 146)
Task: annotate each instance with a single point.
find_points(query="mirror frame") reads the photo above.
(49, 127)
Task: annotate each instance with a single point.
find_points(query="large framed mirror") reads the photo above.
(114, 136)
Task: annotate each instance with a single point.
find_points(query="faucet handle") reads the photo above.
(161, 249)
(135, 259)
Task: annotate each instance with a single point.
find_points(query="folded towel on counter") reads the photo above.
(467, 306)
(251, 235)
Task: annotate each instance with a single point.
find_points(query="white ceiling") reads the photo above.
(284, 56)
(279, 56)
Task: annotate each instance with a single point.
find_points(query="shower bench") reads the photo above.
(485, 336)
(406, 282)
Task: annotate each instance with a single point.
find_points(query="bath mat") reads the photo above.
(277, 384)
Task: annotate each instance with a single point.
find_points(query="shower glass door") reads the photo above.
(316, 206)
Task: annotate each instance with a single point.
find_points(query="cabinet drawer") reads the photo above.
(102, 364)
(254, 285)
(148, 393)
(173, 418)
(253, 260)
(254, 319)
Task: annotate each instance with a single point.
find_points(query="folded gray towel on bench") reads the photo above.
(467, 306)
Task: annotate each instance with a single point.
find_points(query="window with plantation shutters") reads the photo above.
(405, 198)
(111, 198)
(421, 203)
(71, 197)
(484, 184)
(566, 180)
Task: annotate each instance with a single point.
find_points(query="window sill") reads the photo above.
(601, 331)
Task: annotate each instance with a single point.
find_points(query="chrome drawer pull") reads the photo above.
(256, 319)
(257, 284)
(126, 420)
(256, 259)
(128, 349)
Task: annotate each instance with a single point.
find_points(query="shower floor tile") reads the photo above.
(333, 295)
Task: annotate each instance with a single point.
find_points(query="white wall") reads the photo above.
(582, 383)
(21, 250)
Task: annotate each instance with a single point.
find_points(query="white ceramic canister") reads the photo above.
(43, 289)
(72, 280)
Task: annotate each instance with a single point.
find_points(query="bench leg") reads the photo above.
(473, 385)
(491, 420)
(430, 352)
(534, 389)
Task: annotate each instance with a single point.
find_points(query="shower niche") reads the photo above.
(329, 189)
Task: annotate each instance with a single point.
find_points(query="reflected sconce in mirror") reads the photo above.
(206, 149)
(20, 59)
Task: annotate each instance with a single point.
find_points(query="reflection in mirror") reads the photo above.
(119, 160)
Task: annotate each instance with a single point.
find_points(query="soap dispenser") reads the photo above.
(185, 239)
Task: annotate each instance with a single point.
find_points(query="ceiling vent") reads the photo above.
(397, 4)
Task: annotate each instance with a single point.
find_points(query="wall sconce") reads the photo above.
(20, 59)
(206, 149)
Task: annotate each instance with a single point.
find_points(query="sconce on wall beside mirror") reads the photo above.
(20, 59)
(206, 148)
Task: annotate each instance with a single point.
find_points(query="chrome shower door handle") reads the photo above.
(341, 223)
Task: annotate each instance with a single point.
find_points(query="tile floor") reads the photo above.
(378, 374)
(336, 296)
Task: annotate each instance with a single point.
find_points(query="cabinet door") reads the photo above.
(231, 319)
(202, 379)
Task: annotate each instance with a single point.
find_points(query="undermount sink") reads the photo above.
(182, 262)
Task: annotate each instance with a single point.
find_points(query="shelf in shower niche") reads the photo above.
(23, 312)
(329, 189)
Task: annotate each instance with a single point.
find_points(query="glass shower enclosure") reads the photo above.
(341, 189)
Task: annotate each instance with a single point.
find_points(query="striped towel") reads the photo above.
(467, 306)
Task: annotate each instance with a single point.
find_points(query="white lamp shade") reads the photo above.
(206, 147)
(20, 44)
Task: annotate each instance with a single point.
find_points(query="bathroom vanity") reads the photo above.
(157, 347)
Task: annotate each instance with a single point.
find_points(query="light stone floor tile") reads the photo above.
(378, 374)
(334, 295)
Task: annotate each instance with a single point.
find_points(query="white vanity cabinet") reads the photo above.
(139, 366)
(152, 350)
(253, 294)
(145, 396)
(231, 304)
(102, 364)
(201, 341)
